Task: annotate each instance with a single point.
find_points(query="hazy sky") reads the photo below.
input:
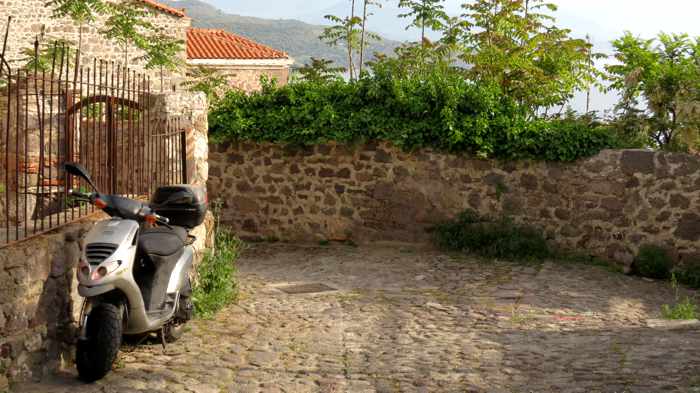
(603, 20)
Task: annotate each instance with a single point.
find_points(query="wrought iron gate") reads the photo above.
(102, 115)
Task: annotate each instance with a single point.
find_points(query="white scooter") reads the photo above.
(134, 273)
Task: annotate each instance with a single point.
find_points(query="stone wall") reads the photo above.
(247, 78)
(606, 205)
(32, 17)
(39, 303)
(193, 109)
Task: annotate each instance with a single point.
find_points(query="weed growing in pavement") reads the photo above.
(216, 275)
(684, 309)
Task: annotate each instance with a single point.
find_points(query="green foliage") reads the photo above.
(320, 71)
(689, 275)
(660, 84)
(216, 286)
(438, 109)
(80, 11)
(208, 81)
(163, 52)
(424, 14)
(500, 239)
(126, 25)
(516, 45)
(653, 262)
(2, 188)
(55, 53)
(346, 32)
(682, 310)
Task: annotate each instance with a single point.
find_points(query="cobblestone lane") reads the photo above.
(410, 320)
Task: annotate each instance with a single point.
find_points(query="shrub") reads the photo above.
(436, 109)
(498, 239)
(216, 286)
(653, 262)
(690, 275)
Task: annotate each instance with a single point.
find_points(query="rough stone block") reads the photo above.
(637, 161)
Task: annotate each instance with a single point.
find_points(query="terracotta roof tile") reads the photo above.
(220, 44)
(164, 8)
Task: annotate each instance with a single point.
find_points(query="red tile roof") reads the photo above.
(220, 44)
(164, 8)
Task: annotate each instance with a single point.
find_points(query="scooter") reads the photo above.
(135, 270)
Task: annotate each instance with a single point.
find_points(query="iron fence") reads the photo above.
(56, 110)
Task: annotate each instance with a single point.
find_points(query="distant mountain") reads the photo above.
(297, 38)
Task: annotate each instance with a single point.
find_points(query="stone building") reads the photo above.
(242, 60)
(32, 19)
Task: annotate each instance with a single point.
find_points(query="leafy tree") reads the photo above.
(424, 14)
(208, 81)
(449, 46)
(344, 32)
(320, 70)
(660, 84)
(126, 25)
(517, 46)
(162, 52)
(80, 11)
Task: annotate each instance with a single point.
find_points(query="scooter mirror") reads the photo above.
(76, 169)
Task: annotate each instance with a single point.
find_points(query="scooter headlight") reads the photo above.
(105, 269)
(84, 268)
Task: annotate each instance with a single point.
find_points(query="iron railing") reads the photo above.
(102, 115)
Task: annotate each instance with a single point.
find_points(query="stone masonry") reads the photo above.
(607, 205)
(248, 78)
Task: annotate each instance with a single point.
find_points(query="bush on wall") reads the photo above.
(437, 109)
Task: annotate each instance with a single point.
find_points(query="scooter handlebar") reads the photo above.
(81, 195)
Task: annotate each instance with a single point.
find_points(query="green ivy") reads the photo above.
(439, 110)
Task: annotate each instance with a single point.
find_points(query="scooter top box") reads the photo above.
(183, 204)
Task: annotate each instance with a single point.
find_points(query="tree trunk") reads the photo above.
(362, 38)
(79, 52)
(422, 32)
(351, 65)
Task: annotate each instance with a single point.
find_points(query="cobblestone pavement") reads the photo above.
(410, 320)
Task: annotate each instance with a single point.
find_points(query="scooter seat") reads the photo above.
(162, 241)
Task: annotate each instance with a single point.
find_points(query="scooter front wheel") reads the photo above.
(96, 353)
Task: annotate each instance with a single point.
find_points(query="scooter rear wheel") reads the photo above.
(96, 354)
